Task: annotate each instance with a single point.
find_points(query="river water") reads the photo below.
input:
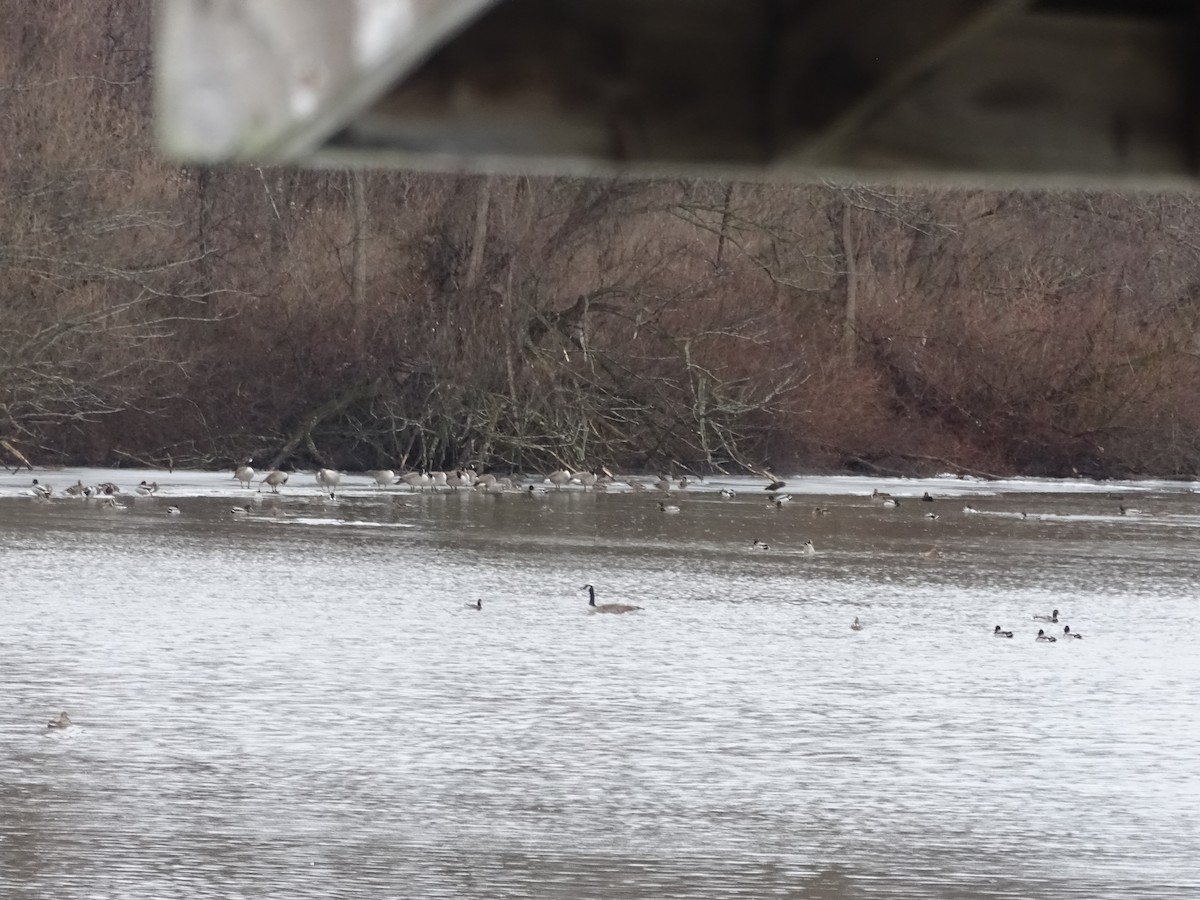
(296, 701)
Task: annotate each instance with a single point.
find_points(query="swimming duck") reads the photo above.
(478, 604)
(1068, 633)
(172, 510)
(877, 494)
(1042, 636)
(969, 509)
(808, 548)
(999, 633)
(759, 545)
(669, 510)
(781, 500)
(147, 488)
(856, 625)
(41, 491)
(890, 503)
(240, 510)
(820, 510)
(607, 607)
(925, 498)
(1053, 617)
(727, 493)
(63, 721)
(932, 517)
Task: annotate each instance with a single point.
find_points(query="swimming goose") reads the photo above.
(607, 607)
(727, 493)
(276, 479)
(76, 489)
(147, 488)
(669, 510)
(244, 474)
(329, 479)
(1042, 636)
(1053, 617)
(999, 633)
(1068, 633)
(856, 625)
(63, 721)
(808, 548)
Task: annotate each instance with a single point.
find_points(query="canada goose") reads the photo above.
(663, 484)
(759, 545)
(856, 625)
(76, 489)
(634, 485)
(108, 488)
(41, 491)
(559, 477)
(63, 721)
(925, 498)
(459, 479)
(147, 488)
(600, 487)
(1068, 633)
(877, 494)
(775, 485)
(1042, 636)
(173, 510)
(437, 480)
(415, 480)
(383, 477)
(329, 479)
(587, 479)
(244, 474)
(727, 493)
(478, 604)
(683, 483)
(276, 479)
(668, 509)
(607, 607)
(484, 481)
(999, 633)
(1053, 617)
(808, 548)
(969, 509)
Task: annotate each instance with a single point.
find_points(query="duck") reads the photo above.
(63, 721)
(173, 510)
(970, 510)
(808, 548)
(727, 493)
(108, 501)
(760, 545)
(42, 491)
(1053, 617)
(533, 491)
(820, 510)
(147, 488)
(683, 483)
(76, 489)
(877, 494)
(607, 607)
(244, 473)
(781, 499)
(932, 517)
(1042, 636)
(1068, 633)
(925, 498)
(275, 479)
(669, 509)
(999, 633)
(239, 510)
(478, 604)
(890, 503)
(856, 625)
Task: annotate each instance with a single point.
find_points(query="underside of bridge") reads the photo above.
(1099, 92)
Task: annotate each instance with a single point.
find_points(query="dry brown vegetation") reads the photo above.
(162, 313)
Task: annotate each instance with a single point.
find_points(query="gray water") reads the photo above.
(301, 705)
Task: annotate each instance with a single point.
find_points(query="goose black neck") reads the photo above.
(591, 595)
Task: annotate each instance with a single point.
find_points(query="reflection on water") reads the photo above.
(302, 705)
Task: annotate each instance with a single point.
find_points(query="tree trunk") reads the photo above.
(479, 242)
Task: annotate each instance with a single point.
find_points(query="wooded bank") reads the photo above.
(175, 315)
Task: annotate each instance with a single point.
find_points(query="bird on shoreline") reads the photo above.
(329, 479)
(607, 607)
(244, 474)
(275, 479)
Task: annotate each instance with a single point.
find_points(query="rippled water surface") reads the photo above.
(302, 705)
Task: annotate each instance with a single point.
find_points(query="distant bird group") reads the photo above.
(1041, 636)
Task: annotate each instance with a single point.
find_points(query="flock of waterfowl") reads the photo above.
(1042, 637)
